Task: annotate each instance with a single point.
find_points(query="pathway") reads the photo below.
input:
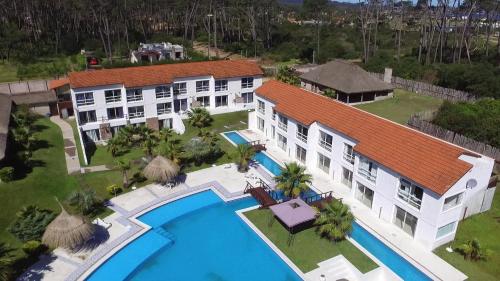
(70, 150)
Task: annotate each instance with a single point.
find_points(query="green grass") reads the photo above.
(308, 249)
(485, 227)
(8, 72)
(49, 179)
(401, 106)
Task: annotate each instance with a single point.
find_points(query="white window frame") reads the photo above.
(163, 92)
(220, 103)
(115, 110)
(204, 101)
(179, 88)
(137, 113)
(282, 122)
(408, 194)
(88, 98)
(164, 108)
(406, 216)
(323, 140)
(202, 86)
(302, 132)
(361, 195)
(322, 160)
(134, 95)
(221, 85)
(260, 124)
(368, 169)
(300, 154)
(282, 142)
(348, 153)
(248, 97)
(347, 181)
(115, 95)
(453, 229)
(261, 107)
(92, 134)
(87, 114)
(247, 82)
(459, 196)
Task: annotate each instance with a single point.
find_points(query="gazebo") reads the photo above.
(68, 231)
(293, 213)
(161, 169)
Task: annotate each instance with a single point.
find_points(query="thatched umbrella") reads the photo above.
(68, 231)
(161, 169)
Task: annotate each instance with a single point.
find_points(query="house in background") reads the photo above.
(350, 83)
(152, 52)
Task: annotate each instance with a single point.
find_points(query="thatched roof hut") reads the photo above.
(68, 231)
(161, 169)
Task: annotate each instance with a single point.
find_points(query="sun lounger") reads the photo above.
(102, 223)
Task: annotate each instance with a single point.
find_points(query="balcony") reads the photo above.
(134, 98)
(180, 91)
(302, 137)
(326, 145)
(349, 158)
(283, 126)
(136, 115)
(261, 110)
(103, 119)
(113, 99)
(410, 199)
(371, 176)
(164, 111)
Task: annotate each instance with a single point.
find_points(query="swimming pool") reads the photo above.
(377, 248)
(199, 237)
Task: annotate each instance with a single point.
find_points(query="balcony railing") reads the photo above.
(367, 174)
(261, 110)
(113, 99)
(410, 199)
(180, 91)
(349, 158)
(134, 98)
(85, 102)
(202, 89)
(282, 126)
(162, 95)
(164, 111)
(136, 115)
(325, 145)
(105, 118)
(302, 137)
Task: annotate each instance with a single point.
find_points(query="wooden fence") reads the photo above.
(428, 89)
(418, 121)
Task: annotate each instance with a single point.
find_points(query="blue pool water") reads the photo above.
(386, 255)
(199, 237)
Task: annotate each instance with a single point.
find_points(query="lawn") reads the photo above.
(308, 249)
(8, 72)
(486, 228)
(401, 106)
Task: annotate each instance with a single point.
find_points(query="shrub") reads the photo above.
(114, 189)
(138, 177)
(33, 248)
(30, 223)
(6, 174)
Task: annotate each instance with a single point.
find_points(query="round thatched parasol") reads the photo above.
(68, 231)
(161, 169)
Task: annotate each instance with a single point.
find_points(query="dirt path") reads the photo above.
(203, 48)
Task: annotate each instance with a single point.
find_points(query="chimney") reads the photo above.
(388, 75)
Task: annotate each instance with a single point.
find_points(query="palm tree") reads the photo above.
(293, 179)
(124, 166)
(245, 154)
(208, 137)
(170, 149)
(335, 221)
(199, 117)
(472, 250)
(166, 133)
(115, 145)
(6, 259)
(85, 200)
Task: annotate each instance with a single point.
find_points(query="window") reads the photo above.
(247, 82)
(113, 95)
(180, 105)
(282, 142)
(446, 229)
(221, 85)
(162, 92)
(300, 154)
(323, 163)
(347, 177)
(115, 113)
(348, 153)
(165, 123)
(364, 195)
(115, 130)
(204, 101)
(283, 123)
(260, 124)
(302, 133)
(136, 112)
(247, 97)
(367, 169)
(84, 99)
(410, 193)
(406, 221)
(163, 108)
(220, 101)
(180, 88)
(134, 95)
(325, 140)
(202, 86)
(86, 117)
(274, 114)
(453, 201)
(261, 107)
(91, 135)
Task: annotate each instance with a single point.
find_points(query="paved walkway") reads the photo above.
(71, 152)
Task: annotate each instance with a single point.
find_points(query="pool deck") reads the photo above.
(395, 238)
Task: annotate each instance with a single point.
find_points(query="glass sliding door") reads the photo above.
(364, 195)
(406, 221)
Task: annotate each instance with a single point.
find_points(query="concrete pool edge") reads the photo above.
(139, 228)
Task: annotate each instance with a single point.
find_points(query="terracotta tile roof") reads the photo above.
(429, 162)
(163, 74)
(54, 84)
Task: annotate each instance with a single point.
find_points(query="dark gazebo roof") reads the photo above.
(293, 212)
